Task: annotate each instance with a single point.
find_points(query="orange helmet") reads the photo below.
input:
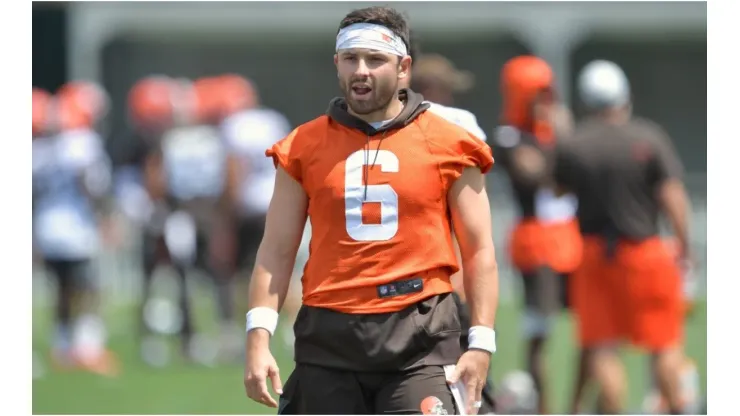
(151, 102)
(207, 95)
(41, 101)
(237, 93)
(80, 104)
(522, 79)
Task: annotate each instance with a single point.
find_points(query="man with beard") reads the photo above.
(628, 287)
(384, 182)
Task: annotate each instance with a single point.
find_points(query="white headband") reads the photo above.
(370, 36)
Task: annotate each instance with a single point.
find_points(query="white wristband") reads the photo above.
(262, 317)
(482, 338)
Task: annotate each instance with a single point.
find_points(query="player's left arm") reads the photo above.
(469, 122)
(668, 172)
(471, 219)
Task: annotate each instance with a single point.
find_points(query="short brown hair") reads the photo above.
(379, 15)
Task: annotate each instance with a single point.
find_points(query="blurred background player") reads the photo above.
(190, 172)
(628, 287)
(545, 245)
(435, 76)
(153, 109)
(437, 79)
(71, 182)
(248, 128)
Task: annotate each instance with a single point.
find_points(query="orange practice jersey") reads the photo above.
(378, 216)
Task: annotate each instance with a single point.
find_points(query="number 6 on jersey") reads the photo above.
(354, 196)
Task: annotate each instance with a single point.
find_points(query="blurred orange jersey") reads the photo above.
(381, 231)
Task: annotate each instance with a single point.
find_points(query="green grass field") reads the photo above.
(189, 389)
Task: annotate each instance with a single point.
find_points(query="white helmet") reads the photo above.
(517, 394)
(603, 84)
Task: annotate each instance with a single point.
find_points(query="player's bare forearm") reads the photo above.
(271, 278)
(286, 219)
(480, 279)
(471, 218)
(268, 288)
(456, 279)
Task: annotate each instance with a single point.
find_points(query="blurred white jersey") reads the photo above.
(462, 118)
(194, 162)
(247, 135)
(67, 169)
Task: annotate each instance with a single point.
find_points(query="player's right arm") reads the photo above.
(286, 219)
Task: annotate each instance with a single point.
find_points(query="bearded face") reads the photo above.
(369, 79)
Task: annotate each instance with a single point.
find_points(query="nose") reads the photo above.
(362, 69)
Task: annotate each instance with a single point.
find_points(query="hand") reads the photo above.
(472, 369)
(261, 365)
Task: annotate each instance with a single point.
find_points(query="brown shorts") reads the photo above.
(319, 390)
(426, 333)
(634, 295)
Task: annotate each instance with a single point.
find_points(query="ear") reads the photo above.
(404, 67)
(336, 59)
